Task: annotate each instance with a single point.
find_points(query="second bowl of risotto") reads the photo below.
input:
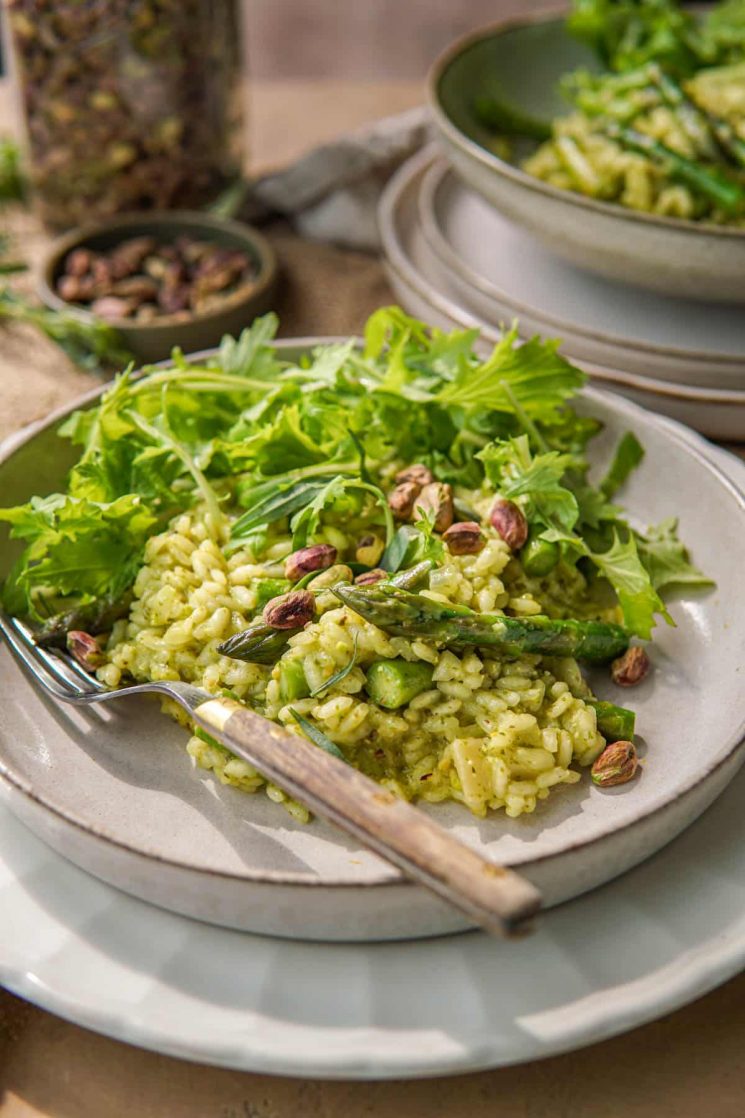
(619, 165)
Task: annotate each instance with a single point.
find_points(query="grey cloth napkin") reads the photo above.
(332, 192)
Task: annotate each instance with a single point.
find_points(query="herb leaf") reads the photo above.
(639, 600)
(317, 736)
(627, 457)
(666, 558)
(337, 677)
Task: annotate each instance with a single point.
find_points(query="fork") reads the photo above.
(492, 896)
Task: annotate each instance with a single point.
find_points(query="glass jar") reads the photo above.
(128, 104)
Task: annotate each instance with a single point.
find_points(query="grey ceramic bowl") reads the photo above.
(153, 341)
(523, 62)
(115, 792)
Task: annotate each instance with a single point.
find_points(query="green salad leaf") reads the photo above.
(270, 448)
(622, 566)
(627, 457)
(76, 546)
(666, 558)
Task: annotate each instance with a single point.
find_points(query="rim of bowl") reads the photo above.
(397, 261)
(261, 251)
(680, 434)
(508, 170)
(433, 179)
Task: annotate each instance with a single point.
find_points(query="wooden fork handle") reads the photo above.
(497, 899)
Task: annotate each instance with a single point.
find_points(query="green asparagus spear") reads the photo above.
(728, 138)
(691, 118)
(410, 615)
(258, 644)
(712, 134)
(705, 181)
(393, 683)
(614, 723)
(92, 617)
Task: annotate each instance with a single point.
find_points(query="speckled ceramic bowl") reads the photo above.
(114, 791)
(153, 341)
(524, 61)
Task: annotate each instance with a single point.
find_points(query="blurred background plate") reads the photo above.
(502, 272)
(425, 289)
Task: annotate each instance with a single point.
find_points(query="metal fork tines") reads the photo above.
(58, 673)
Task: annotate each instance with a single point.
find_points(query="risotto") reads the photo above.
(489, 733)
(658, 120)
(395, 551)
(584, 157)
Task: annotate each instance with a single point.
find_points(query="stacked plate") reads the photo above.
(455, 260)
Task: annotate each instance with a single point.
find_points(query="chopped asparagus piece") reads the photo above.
(539, 557)
(292, 682)
(393, 683)
(614, 723)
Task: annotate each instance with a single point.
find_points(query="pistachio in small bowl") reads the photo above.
(163, 279)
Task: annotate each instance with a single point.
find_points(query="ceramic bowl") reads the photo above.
(153, 341)
(504, 274)
(523, 61)
(431, 293)
(114, 791)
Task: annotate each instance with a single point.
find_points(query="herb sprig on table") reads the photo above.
(91, 345)
(256, 439)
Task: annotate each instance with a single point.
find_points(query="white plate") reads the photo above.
(112, 789)
(658, 937)
(503, 272)
(427, 290)
(650, 942)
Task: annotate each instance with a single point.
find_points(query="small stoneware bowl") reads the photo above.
(522, 62)
(153, 341)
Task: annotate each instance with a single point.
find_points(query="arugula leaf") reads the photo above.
(627, 457)
(274, 500)
(538, 377)
(628, 33)
(307, 523)
(515, 472)
(666, 558)
(76, 547)
(638, 599)
(251, 354)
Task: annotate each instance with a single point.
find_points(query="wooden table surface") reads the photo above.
(688, 1064)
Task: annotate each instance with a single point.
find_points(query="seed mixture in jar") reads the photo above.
(128, 104)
